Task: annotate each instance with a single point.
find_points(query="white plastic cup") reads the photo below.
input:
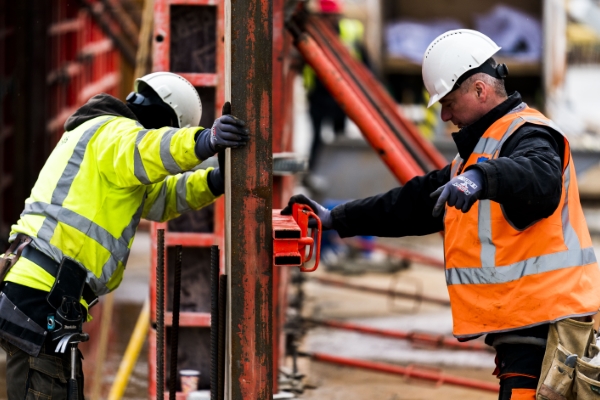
(189, 380)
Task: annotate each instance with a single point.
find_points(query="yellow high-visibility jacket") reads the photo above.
(103, 177)
(351, 34)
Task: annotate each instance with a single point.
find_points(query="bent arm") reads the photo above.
(129, 155)
(177, 194)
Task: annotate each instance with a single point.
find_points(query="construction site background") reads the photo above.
(41, 83)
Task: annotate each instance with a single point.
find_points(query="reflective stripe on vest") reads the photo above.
(55, 213)
(555, 257)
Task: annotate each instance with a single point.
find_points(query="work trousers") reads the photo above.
(39, 378)
(518, 366)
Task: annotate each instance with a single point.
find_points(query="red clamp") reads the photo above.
(290, 238)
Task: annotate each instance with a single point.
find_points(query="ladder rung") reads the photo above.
(188, 239)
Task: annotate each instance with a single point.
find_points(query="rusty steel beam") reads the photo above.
(356, 106)
(250, 213)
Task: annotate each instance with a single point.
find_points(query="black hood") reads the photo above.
(101, 104)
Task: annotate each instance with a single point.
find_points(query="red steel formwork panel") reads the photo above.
(83, 62)
(53, 58)
(188, 41)
(182, 50)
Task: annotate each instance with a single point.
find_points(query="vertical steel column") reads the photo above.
(251, 203)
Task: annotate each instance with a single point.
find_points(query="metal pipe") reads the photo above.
(214, 321)
(160, 314)
(370, 289)
(175, 322)
(398, 160)
(138, 337)
(413, 337)
(397, 252)
(405, 130)
(409, 371)
(251, 334)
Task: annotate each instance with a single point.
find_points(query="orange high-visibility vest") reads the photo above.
(501, 278)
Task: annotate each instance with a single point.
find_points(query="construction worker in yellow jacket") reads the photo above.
(520, 265)
(115, 164)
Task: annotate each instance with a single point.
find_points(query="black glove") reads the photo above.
(227, 131)
(460, 192)
(216, 177)
(323, 213)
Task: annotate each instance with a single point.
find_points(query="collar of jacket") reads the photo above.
(466, 139)
(101, 104)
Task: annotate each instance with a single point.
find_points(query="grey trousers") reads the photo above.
(38, 378)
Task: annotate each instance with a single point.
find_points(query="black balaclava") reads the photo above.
(150, 109)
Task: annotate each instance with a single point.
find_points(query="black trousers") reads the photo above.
(321, 109)
(43, 377)
(518, 367)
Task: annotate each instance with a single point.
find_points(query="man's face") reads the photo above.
(463, 107)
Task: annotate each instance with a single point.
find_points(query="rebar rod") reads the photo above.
(214, 321)
(175, 323)
(160, 313)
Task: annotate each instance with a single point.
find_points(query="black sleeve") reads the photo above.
(403, 211)
(527, 177)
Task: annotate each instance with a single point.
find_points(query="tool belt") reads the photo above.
(63, 326)
(20, 248)
(567, 372)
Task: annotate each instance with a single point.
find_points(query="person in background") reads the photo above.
(322, 106)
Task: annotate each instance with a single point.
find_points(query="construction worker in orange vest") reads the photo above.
(520, 265)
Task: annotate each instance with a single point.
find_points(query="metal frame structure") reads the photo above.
(280, 187)
(53, 58)
(162, 62)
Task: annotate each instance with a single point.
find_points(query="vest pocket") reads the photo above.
(559, 380)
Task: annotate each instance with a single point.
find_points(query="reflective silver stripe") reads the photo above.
(181, 190)
(513, 272)
(543, 121)
(46, 231)
(98, 285)
(486, 145)
(138, 166)
(570, 237)
(165, 152)
(455, 165)
(488, 249)
(54, 213)
(72, 169)
(516, 124)
(157, 210)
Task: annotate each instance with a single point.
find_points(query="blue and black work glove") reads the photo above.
(460, 192)
(227, 131)
(323, 213)
(216, 177)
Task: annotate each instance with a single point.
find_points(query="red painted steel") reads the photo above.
(409, 372)
(397, 252)
(290, 238)
(399, 161)
(414, 337)
(162, 62)
(373, 88)
(388, 292)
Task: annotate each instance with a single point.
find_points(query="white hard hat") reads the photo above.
(178, 93)
(452, 54)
